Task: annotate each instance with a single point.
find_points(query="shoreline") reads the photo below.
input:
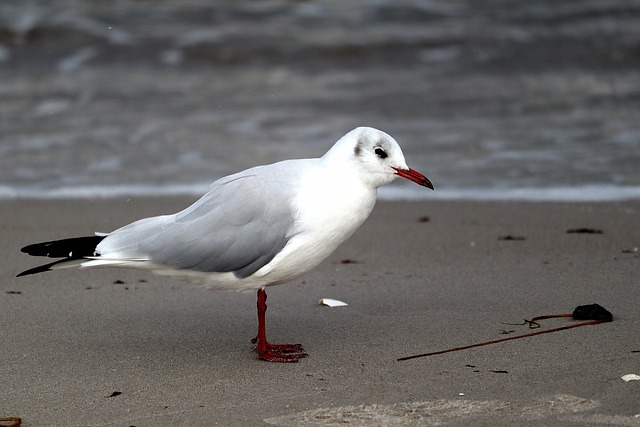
(569, 194)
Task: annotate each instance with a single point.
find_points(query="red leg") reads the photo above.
(273, 352)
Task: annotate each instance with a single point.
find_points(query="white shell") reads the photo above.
(332, 302)
(630, 377)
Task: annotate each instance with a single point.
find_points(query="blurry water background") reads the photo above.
(490, 99)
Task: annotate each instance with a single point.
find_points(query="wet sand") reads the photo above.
(123, 347)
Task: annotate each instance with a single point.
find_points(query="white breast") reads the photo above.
(328, 212)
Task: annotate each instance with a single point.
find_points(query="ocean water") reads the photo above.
(491, 100)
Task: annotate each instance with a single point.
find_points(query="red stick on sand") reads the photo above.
(595, 312)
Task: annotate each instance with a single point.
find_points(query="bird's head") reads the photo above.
(377, 157)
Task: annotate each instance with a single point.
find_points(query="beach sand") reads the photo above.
(126, 348)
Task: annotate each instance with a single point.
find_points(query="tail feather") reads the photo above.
(70, 250)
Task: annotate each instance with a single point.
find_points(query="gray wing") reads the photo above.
(239, 226)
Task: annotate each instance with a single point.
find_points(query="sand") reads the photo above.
(126, 348)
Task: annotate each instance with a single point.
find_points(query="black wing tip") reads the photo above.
(31, 271)
(36, 270)
(72, 247)
(35, 249)
(46, 267)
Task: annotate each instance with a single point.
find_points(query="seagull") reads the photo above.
(260, 227)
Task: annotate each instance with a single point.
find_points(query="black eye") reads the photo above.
(380, 153)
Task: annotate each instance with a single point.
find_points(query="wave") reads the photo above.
(587, 193)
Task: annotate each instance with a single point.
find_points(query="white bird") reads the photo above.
(260, 227)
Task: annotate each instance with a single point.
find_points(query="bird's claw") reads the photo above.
(283, 353)
(271, 356)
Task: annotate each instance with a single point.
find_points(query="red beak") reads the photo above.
(414, 176)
